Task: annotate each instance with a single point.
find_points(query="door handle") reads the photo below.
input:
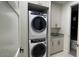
(52, 43)
(58, 42)
(21, 50)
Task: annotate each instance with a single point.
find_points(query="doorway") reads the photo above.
(74, 30)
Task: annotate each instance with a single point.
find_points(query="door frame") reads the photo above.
(78, 34)
(70, 24)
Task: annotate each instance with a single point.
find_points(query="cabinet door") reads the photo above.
(52, 47)
(60, 44)
(55, 45)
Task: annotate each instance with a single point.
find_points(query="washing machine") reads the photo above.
(38, 47)
(37, 24)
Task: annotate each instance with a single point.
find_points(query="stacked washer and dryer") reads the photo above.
(37, 34)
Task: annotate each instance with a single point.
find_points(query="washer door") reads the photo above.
(38, 24)
(38, 50)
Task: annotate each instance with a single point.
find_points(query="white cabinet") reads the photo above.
(41, 3)
(51, 46)
(60, 44)
(56, 11)
(56, 45)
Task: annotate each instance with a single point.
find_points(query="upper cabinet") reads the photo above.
(56, 13)
(41, 3)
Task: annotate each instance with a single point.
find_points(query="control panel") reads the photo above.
(37, 40)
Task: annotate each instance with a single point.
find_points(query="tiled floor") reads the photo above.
(62, 54)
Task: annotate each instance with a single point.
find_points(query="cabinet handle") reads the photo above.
(52, 43)
(58, 42)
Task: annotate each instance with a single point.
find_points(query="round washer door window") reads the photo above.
(38, 24)
(38, 50)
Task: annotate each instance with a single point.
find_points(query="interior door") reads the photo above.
(78, 35)
(8, 31)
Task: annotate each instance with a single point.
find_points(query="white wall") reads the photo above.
(61, 14)
(66, 21)
(23, 22)
(49, 26)
(56, 14)
(8, 31)
(15, 6)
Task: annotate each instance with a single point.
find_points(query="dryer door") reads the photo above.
(38, 24)
(38, 50)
